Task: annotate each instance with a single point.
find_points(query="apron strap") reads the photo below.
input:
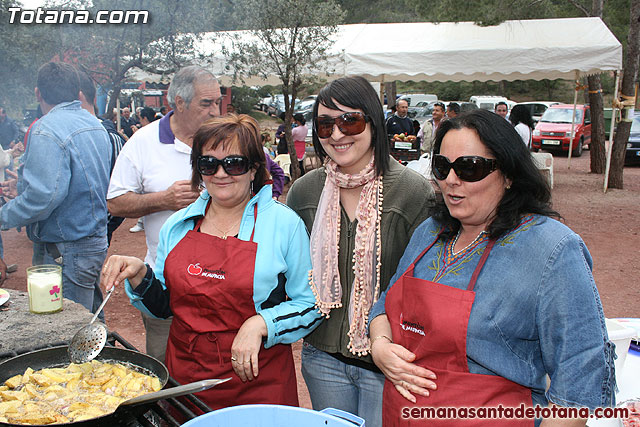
(476, 272)
(412, 267)
(199, 221)
(255, 218)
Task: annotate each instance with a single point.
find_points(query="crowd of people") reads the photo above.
(404, 300)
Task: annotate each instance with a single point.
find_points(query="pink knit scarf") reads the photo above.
(325, 277)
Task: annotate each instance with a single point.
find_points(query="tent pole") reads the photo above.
(381, 94)
(609, 146)
(573, 119)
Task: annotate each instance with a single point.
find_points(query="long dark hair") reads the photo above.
(233, 130)
(529, 192)
(356, 92)
(521, 114)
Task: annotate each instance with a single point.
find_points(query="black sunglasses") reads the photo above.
(352, 123)
(468, 168)
(232, 165)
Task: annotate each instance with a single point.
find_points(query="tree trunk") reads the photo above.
(548, 85)
(390, 90)
(596, 8)
(597, 150)
(294, 169)
(115, 94)
(596, 147)
(627, 90)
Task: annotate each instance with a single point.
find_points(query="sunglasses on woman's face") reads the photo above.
(232, 165)
(352, 123)
(468, 168)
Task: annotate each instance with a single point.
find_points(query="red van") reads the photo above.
(553, 131)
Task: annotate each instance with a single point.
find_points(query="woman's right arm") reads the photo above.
(395, 362)
(145, 291)
(119, 268)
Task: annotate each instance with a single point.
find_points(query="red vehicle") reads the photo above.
(553, 131)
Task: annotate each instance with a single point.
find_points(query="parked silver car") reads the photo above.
(277, 105)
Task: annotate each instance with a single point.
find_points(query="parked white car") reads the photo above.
(414, 98)
(488, 102)
(263, 103)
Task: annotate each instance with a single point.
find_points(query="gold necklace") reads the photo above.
(225, 233)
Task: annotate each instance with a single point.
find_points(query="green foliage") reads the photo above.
(616, 16)
(379, 11)
(519, 90)
(268, 90)
(492, 12)
(290, 40)
(108, 51)
(23, 48)
(244, 98)
(164, 43)
(161, 46)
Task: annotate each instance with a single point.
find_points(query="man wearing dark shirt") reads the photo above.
(8, 130)
(400, 122)
(126, 122)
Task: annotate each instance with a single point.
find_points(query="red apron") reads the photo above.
(430, 319)
(211, 286)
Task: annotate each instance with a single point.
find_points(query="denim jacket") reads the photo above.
(63, 182)
(536, 311)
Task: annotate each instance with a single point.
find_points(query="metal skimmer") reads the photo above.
(89, 341)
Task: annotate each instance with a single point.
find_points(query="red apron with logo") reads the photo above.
(430, 319)
(210, 281)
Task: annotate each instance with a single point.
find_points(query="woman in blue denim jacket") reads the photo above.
(491, 294)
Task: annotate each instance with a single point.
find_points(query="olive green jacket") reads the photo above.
(408, 199)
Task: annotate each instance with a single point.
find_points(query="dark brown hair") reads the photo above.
(529, 192)
(231, 131)
(356, 92)
(58, 82)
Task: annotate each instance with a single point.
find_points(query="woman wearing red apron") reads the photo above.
(490, 297)
(237, 288)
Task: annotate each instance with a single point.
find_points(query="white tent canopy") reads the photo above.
(514, 50)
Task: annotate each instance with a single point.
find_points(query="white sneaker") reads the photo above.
(136, 228)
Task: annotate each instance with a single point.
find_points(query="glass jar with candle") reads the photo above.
(44, 283)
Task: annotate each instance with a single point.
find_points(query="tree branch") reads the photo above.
(580, 7)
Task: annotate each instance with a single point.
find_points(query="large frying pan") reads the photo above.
(58, 356)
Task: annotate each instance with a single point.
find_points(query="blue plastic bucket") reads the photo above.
(275, 416)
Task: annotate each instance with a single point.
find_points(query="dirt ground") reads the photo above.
(609, 224)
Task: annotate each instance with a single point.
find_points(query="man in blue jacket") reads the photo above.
(62, 186)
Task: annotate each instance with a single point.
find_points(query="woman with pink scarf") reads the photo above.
(361, 208)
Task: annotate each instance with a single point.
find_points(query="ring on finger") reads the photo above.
(246, 361)
(233, 359)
